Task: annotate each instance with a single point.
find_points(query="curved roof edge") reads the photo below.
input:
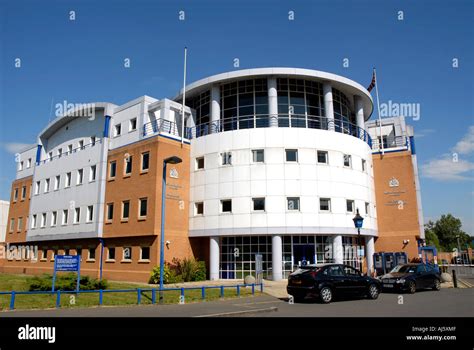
(339, 81)
(62, 120)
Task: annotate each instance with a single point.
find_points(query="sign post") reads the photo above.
(258, 268)
(67, 263)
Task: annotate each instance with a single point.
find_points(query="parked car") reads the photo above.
(327, 281)
(411, 277)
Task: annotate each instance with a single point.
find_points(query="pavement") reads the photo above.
(448, 302)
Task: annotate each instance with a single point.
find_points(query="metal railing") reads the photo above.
(391, 142)
(160, 126)
(66, 153)
(280, 120)
(138, 291)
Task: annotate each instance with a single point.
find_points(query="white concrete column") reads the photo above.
(215, 107)
(328, 105)
(337, 249)
(272, 101)
(214, 258)
(369, 249)
(359, 111)
(277, 258)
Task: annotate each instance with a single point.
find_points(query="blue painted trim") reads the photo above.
(412, 145)
(38, 154)
(107, 125)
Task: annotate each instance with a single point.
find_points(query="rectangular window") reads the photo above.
(65, 216)
(112, 169)
(91, 254)
(54, 218)
(111, 253)
(291, 155)
(226, 158)
(46, 185)
(364, 165)
(43, 220)
(15, 194)
(92, 173)
(69, 149)
(127, 253)
(258, 204)
(80, 176)
(12, 224)
(199, 163)
(293, 203)
(93, 140)
(347, 160)
(128, 165)
(145, 253)
(20, 224)
(133, 124)
(68, 180)
(199, 208)
(367, 208)
(125, 210)
(57, 181)
(28, 163)
(322, 157)
(23, 192)
(110, 211)
(60, 152)
(324, 204)
(77, 215)
(117, 130)
(143, 202)
(44, 254)
(50, 155)
(37, 187)
(81, 144)
(20, 166)
(145, 161)
(90, 213)
(258, 156)
(226, 206)
(33, 221)
(350, 206)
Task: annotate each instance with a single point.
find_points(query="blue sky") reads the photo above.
(83, 61)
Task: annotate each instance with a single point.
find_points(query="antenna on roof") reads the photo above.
(51, 109)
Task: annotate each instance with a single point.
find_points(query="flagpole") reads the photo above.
(184, 96)
(378, 111)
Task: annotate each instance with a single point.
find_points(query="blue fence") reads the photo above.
(138, 291)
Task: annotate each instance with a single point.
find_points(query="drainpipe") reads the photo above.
(101, 255)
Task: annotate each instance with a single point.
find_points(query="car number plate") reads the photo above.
(297, 282)
(388, 285)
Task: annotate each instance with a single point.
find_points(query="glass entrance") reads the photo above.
(303, 254)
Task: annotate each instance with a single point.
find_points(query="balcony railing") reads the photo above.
(158, 126)
(390, 142)
(67, 153)
(283, 121)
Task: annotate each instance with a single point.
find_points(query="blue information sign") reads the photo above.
(67, 263)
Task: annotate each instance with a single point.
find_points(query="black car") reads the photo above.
(411, 277)
(326, 281)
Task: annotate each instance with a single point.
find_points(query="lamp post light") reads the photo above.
(358, 221)
(169, 160)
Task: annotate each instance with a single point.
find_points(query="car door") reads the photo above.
(354, 282)
(337, 278)
(422, 277)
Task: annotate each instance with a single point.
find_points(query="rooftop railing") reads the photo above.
(282, 121)
(69, 152)
(391, 142)
(158, 126)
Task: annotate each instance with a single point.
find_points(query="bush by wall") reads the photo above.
(186, 270)
(65, 282)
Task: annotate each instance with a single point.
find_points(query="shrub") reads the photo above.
(65, 282)
(185, 270)
(169, 275)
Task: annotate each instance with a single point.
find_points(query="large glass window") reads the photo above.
(201, 104)
(342, 112)
(351, 254)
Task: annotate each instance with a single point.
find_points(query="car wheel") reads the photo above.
(325, 294)
(411, 287)
(437, 285)
(373, 292)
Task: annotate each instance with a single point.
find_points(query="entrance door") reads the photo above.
(303, 254)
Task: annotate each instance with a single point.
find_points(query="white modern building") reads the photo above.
(280, 162)
(4, 205)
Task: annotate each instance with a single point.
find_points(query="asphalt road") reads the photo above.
(445, 303)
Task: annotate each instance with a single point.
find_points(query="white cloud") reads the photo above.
(423, 132)
(14, 147)
(446, 169)
(466, 144)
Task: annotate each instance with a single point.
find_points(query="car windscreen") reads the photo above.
(305, 269)
(404, 269)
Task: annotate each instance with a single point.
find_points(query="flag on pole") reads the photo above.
(372, 83)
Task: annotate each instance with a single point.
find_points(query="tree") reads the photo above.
(430, 236)
(447, 229)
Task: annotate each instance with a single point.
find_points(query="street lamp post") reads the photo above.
(169, 160)
(358, 221)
